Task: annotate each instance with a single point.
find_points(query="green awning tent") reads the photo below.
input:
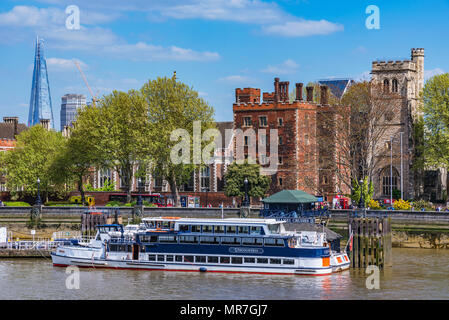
(290, 197)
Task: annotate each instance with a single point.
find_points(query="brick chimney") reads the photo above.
(14, 121)
(276, 90)
(309, 94)
(324, 95)
(45, 123)
(284, 91)
(298, 91)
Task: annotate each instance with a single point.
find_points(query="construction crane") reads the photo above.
(94, 98)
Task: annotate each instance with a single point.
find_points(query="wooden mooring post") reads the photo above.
(371, 242)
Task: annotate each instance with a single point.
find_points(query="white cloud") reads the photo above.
(287, 67)
(25, 16)
(50, 25)
(364, 76)
(59, 64)
(303, 28)
(29, 16)
(433, 72)
(236, 79)
(269, 15)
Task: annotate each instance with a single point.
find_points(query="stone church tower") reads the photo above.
(404, 80)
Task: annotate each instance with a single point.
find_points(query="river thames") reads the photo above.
(416, 274)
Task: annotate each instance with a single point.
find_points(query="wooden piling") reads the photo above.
(371, 242)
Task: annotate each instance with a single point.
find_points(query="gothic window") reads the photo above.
(386, 85)
(394, 85)
(389, 183)
(263, 121)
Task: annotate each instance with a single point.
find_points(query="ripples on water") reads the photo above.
(416, 274)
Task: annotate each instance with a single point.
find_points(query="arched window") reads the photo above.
(386, 85)
(394, 85)
(388, 182)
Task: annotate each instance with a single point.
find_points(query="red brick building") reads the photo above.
(305, 135)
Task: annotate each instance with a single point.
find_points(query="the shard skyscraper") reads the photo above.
(40, 101)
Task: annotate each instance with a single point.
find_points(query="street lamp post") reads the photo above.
(139, 189)
(246, 202)
(38, 202)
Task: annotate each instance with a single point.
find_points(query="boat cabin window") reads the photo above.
(210, 240)
(274, 228)
(219, 229)
(168, 239)
(288, 261)
(148, 238)
(231, 229)
(184, 228)
(230, 240)
(271, 242)
(207, 229)
(224, 260)
(250, 260)
(151, 257)
(195, 228)
(178, 258)
(255, 230)
(200, 258)
(262, 260)
(275, 261)
(188, 259)
(212, 259)
(243, 230)
(105, 229)
(188, 239)
(169, 258)
(252, 241)
(237, 260)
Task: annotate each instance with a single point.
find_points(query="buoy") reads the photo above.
(203, 269)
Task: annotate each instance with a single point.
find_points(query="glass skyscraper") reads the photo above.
(69, 106)
(40, 101)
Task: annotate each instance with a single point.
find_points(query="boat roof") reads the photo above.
(212, 221)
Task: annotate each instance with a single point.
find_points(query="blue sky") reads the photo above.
(215, 46)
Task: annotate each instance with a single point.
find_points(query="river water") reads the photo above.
(416, 274)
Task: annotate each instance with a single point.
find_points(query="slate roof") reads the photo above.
(7, 130)
(290, 196)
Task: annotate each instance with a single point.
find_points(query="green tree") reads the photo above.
(80, 154)
(121, 129)
(365, 188)
(435, 107)
(235, 176)
(33, 158)
(175, 107)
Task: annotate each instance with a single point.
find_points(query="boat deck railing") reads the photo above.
(32, 245)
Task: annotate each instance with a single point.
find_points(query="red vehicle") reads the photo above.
(154, 198)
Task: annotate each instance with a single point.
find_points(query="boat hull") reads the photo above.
(65, 261)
